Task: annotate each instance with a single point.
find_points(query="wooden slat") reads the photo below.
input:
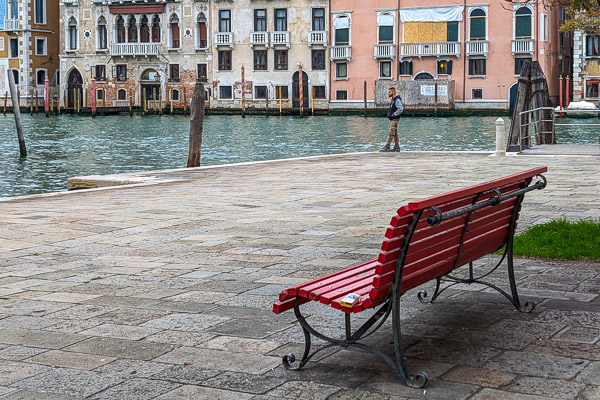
(343, 291)
(282, 306)
(343, 273)
(314, 295)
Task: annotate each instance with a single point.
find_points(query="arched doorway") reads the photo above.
(74, 89)
(296, 89)
(512, 95)
(423, 76)
(150, 85)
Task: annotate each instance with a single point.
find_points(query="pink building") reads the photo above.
(479, 46)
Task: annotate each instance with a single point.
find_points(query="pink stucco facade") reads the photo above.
(497, 48)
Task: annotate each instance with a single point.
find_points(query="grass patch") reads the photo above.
(560, 239)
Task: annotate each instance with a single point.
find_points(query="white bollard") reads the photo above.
(500, 138)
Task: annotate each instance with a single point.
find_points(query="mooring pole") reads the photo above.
(17, 112)
(312, 100)
(46, 97)
(365, 97)
(196, 121)
(243, 93)
(435, 99)
(93, 98)
(500, 138)
(131, 102)
(184, 101)
(267, 103)
(5, 101)
(567, 92)
(51, 100)
(31, 102)
(171, 103)
(301, 87)
(280, 100)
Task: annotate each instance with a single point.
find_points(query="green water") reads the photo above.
(66, 146)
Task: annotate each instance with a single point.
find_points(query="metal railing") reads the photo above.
(537, 120)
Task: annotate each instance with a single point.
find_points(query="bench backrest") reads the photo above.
(430, 251)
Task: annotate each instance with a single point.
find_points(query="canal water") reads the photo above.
(66, 146)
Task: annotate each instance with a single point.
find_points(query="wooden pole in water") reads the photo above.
(93, 98)
(153, 101)
(144, 101)
(17, 112)
(243, 93)
(567, 92)
(171, 99)
(280, 100)
(46, 98)
(435, 99)
(301, 89)
(196, 121)
(31, 102)
(267, 103)
(51, 100)
(184, 101)
(365, 97)
(312, 100)
(5, 101)
(131, 102)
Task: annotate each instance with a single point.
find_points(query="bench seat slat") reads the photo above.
(343, 291)
(329, 278)
(314, 295)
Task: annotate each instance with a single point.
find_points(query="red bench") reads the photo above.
(426, 240)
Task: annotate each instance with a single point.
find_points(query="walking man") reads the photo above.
(393, 115)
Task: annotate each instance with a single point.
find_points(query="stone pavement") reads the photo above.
(163, 290)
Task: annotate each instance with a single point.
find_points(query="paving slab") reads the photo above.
(164, 289)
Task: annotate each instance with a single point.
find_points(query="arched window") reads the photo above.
(477, 21)
(385, 27)
(156, 29)
(121, 94)
(423, 76)
(341, 24)
(120, 30)
(175, 95)
(144, 30)
(523, 23)
(102, 34)
(72, 34)
(201, 27)
(174, 31)
(132, 30)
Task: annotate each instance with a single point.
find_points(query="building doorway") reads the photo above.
(512, 95)
(150, 87)
(74, 89)
(296, 89)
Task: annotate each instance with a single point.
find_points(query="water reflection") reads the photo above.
(65, 146)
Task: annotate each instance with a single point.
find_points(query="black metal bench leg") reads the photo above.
(528, 306)
(414, 381)
(288, 359)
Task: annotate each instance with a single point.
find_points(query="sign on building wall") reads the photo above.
(429, 90)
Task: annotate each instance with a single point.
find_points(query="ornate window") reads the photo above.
(174, 31)
(144, 30)
(132, 30)
(102, 34)
(72, 34)
(201, 28)
(120, 29)
(523, 23)
(477, 24)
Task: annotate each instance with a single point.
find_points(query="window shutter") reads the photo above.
(410, 67)
(452, 31)
(450, 67)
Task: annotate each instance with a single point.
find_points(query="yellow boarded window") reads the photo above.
(422, 32)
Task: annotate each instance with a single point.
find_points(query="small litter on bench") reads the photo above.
(350, 300)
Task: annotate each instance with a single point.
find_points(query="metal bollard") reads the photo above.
(500, 138)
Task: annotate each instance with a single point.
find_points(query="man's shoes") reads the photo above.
(385, 149)
(396, 149)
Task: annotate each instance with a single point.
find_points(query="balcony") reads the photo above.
(280, 38)
(433, 49)
(259, 39)
(134, 49)
(384, 50)
(317, 38)
(12, 24)
(340, 53)
(73, 3)
(521, 46)
(223, 39)
(477, 47)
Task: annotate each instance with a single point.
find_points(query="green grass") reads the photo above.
(560, 239)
